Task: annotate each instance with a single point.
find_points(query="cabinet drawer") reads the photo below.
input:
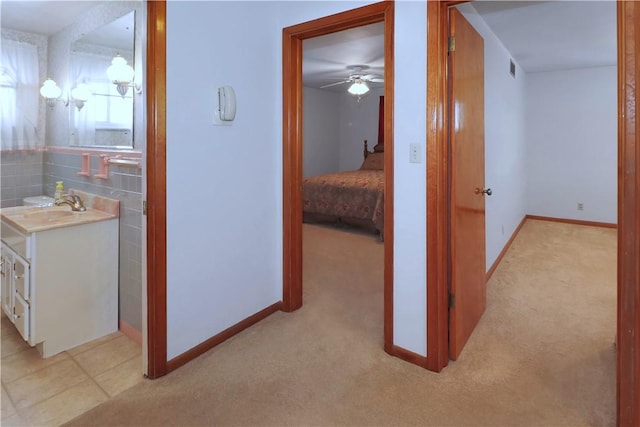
(6, 275)
(21, 316)
(17, 241)
(21, 277)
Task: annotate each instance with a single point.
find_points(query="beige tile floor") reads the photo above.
(49, 392)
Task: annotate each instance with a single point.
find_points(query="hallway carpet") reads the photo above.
(542, 355)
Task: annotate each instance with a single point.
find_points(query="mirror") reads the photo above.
(99, 115)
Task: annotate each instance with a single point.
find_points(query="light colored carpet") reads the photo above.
(542, 355)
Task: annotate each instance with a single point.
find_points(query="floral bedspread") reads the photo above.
(355, 194)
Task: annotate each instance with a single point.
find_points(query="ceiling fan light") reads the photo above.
(358, 88)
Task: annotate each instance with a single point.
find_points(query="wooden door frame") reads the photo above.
(156, 89)
(628, 333)
(628, 307)
(292, 38)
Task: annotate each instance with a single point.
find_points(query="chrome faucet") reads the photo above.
(72, 200)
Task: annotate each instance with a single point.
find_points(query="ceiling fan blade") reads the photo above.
(335, 84)
(375, 78)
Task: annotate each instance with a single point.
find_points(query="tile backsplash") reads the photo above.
(20, 176)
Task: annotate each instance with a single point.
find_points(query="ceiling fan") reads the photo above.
(358, 77)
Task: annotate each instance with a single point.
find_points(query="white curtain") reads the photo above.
(91, 70)
(19, 95)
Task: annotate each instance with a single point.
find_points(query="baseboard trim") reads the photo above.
(407, 356)
(574, 221)
(130, 331)
(506, 248)
(207, 345)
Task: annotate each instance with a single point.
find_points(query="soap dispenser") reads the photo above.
(59, 191)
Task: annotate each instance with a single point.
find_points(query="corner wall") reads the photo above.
(321, 118)
(358, 121)
(572, 144)
(505, 141)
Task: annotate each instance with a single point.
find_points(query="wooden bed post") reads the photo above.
(366, 149)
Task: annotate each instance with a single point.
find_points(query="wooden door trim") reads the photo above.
(156, 189)
(292, 148)
(628, 334)
(437, 196)
(628, 349)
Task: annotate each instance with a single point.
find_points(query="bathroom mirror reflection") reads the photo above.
(100, 115)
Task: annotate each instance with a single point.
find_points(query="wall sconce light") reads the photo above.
(51, 92)
(81, 94)
(358, 88)
(121, 74)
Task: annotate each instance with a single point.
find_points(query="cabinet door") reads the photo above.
(21, 277)
(6, 274)
(21, 316)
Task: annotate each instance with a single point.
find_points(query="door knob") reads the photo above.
(486, 191)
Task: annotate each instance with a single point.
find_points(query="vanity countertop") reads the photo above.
(29, 219)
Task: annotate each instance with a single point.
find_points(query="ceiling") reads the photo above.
(41, 17)
(554, 35)
(50, 17)
(541, 35)
(326, 59)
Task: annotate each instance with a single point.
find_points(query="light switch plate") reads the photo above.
(415, 153)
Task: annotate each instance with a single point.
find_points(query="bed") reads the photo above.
(351, 197)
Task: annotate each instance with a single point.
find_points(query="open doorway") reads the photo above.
(627, 281)
(293, 149)
(343, 178)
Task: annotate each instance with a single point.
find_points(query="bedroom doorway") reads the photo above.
(293, 151)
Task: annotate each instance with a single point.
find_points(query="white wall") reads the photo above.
(321, 130)
(410, 112)
(358, 121)
(505, 142)
(224, 183)
(335, 127)
(572, 144)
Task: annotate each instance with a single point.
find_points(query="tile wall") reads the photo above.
(20, 176)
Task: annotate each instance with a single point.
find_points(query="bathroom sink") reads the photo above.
(48, 214)
(32, 219)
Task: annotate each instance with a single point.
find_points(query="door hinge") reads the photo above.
(452, 301)
(452, 43)
(144, 207)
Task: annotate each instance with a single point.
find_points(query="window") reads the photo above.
(19, 98)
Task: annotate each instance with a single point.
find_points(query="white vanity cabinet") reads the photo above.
(15, 289)
(60, 285)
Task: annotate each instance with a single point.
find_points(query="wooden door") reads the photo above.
(467, 213)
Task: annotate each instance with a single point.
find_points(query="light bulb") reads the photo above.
(50, 90)
(119, 71)
(358, 88)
